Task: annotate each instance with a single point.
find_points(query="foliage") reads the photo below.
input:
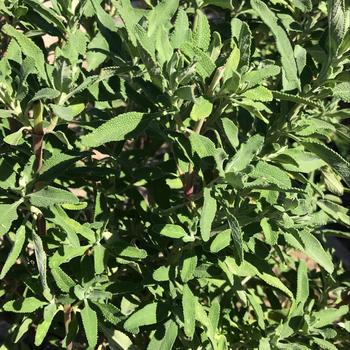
(168, 181)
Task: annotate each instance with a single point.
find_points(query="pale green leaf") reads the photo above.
(166, 339)
(208, 214)
(15, 251)
(27, 305)
(51, 195)
(201, 109)
(43, 327)
(89, 319)
(188, 307)
(116, 129)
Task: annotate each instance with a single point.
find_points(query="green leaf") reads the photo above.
(161, 274)
(67, 113)
(189, 265)
(295, 98)
(170, 230)
(315, 251)
(221, 241)
(231, 131)
(63, 281)
(161, 15)
(150, 314)
(342, 91)
(16, 138)
(99, 256)
(259, 93)
(245, 154)
(165, 340)
(255, 303)
(302, 284)
(8, 214)
(272, 175)
(336, 24)
(15, 251)
(290, 71)
(237, 236)
(43, 327)
(202, 145)
(271, 236)
(241, 32)
(201, 31)
(89, 319)
(41, 262)
(69, 253)
(23, 329)
(256, 77)
(28, 48)
(201, 109)
(188, 307)
(118, 128)
(181, 31)
(109, 312)
(327, 317)
(51, 195)
(208, 214)
(276, 283)
(27, 305)
(337, 162)
(324, 344)
(45, 94)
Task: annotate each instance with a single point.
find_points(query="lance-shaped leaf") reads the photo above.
(28, 48)
(89, 319)
(337, 162)
(201, 31)
(164, 340)
(43, 327)
(27, 305)
(69, 112)
(181, 31)
(118, 128)
(336, 24)
(290, 71)
(241, 32)
(8, 214)
(208, 214)
(149, 314)
(245, 154)
(188, 307)
(15, 251)
(51, 195)
(302, 283)
(237, 236)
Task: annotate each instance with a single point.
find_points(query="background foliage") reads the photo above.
(169, 174)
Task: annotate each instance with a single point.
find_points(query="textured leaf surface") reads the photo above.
(284, 46)
(15, 251)
(117, 129)
(89, 318)
(52, 195)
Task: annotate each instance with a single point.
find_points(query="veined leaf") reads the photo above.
(165, 341)
(337, 162)
(236, 233)
(170, 230)
(290, 71)
(302, 284)
(150, 314)
(28, 48)
(27, 305)
(181, 32)
(221, 241)
(43, 327)
(208, 214)
(67, 113)
(188, 307)
(201, 31)
(51, 195)
(336, 24)
(271, 174)
(89, 319)
(8, 214)
(202, 108)
(327, 316)
(117, 129)
(245, 154)
(15, 251)
(241, 31)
